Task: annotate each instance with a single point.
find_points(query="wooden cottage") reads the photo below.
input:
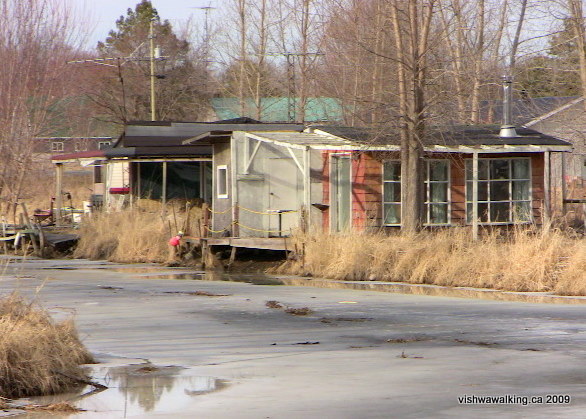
(267, 184)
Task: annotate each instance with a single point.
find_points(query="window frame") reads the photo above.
(222, 181)
(511, 201)
(57, 146)
(384, 201)
(428, 203)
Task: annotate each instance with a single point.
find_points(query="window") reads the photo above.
(103, 144)
(392, 193)
(504, 190)
(57, 146)
(437, 186)
(222, 181)
(437, 201)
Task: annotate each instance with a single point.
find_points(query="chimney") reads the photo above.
(507, 128)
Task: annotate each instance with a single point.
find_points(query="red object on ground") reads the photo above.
(119, 191)
(174, 241)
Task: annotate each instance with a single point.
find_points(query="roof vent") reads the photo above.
(507, 128)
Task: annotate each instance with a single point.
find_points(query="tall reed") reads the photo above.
(520, 260)
(37, 354)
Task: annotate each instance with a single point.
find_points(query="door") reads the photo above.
(341, 193)
(283, 196)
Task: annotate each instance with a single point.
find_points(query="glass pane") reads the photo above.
(499, 212)
(499, 169)
(392, 213)
(344, 197)
(438, 213)
(392, 170)
(522, 211)
(521, 190)
(438, 170)
(521, 169)
(499, 191)
(483, 191)
(438, 192)
(392, 192)
(483, 213)
(469, 169)
(482, 169)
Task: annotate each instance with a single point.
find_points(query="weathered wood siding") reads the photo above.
(367, 180)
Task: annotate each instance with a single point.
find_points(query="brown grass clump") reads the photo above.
(132, 235)
(36, 353)
(522, 260)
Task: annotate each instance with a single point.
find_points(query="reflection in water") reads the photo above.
(136, 389)
(393, 287)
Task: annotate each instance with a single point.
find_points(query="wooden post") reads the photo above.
(235, 215)
(58, 193)
(164, 186)
(30, 227)
(307, 185)
(206, 220)
(475, 196)
(4, 235)
(563, 169)
(546, 213)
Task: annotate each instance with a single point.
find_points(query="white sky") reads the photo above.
(103, 14)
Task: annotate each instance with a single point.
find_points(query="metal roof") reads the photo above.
(303, 139)
(451, 136)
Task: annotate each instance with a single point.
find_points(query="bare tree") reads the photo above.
(36, 39)
(412, 21)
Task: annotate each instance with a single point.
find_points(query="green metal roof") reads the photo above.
(275, 109)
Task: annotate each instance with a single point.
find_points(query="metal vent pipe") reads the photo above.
(508, 128)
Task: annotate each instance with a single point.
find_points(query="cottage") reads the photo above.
(336, 178)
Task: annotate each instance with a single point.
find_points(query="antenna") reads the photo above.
(291, 89)
(155, 55)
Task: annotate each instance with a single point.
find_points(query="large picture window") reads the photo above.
(504, 190)
(437, 186)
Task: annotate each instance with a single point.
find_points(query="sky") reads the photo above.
(102, 14)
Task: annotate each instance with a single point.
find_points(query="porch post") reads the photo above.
(563, 164)
(546, 187)
(164, 189)
(58, 192)
(307, 185)
(475, 196)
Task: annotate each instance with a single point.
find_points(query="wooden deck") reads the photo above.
(273, 243)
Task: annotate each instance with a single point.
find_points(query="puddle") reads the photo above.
(136, 390)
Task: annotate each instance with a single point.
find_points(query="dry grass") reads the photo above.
(133, 235)
(522, 260)
(36, 352)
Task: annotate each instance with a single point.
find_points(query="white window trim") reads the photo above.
(427, 202)
(530, 179)
(218, 184)
(57, 146)
(383, 202)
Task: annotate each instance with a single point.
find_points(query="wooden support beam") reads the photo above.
(164, 189)
(58, 193)
(546, 213)
(475, 196)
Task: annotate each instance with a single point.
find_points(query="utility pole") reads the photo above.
(152, 59)
(291, 89)
(120, 61)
